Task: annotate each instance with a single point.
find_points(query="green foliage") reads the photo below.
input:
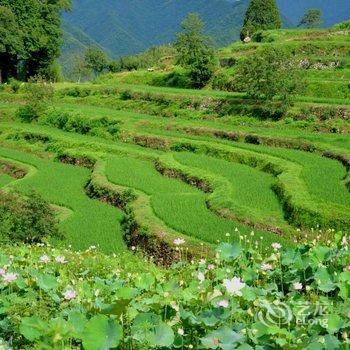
(244, 297)
(270, 72)
(311, 19)
(39, 94)
(96, 59)
(11, 43)
(261, 15)
(35, 38)
(28, 220)
(194, 51)
(14, 84)
(343, 25)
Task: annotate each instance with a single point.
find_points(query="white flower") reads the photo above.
(276, 246)
(180, 331)
(9, 277)
(201, 277)
(44, 259)
(179, 241)
(224, 303)
(266, 267)
(69, 294)
(234, 286)
(297, 286)
(61, 259)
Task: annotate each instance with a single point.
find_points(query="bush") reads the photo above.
(14, 84)
(29, 220)
(269, 73)
(38, 95)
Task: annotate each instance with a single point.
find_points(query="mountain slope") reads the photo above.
(126, 27)
(334, 11)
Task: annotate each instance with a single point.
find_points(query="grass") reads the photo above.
(91, 222)
(5, 179)
(180, 206)
(252, 188)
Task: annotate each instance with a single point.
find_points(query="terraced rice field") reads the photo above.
(197, 178)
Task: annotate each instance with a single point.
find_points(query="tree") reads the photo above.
(261, 15)
(36, 33)
(11, 44)
(194, 51)
(269, 73)
(96, 59)
(80, 70)
(311, 19)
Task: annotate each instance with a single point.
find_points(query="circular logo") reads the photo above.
(276, 313)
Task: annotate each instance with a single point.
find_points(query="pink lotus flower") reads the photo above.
(266, 267)
(297, 286)
(44, 259)
(179, 241)
(69, 294)
(211, 267)
(61, 259)
(276, 246)
(9, 277)
(224, 303)
(234, 286)
(2, 272)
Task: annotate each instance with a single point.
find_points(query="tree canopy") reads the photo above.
(261, 15)
(30, 36)
(311, 19)
(194, 51)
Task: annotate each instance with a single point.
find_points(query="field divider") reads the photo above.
(300, 208)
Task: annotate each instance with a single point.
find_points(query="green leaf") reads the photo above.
(101, 333)
(32, 328)
(332, 343)
(145, 281)
(117, 308)
(229, 252)
(47, 282)
(163, 336)
(334, 323)
(224, 338)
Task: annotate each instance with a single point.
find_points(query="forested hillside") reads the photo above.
(127, 27)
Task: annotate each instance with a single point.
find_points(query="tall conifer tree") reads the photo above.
(261, 15)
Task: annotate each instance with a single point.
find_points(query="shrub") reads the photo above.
(29, 220)
(14, 84)
(267, 74)
(38, 95)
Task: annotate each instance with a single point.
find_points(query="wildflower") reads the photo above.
(2, 272)
(61, 259)
(180, 331)
(297, 286)
(266, 267)
(69, 294)
(223, 303)
(211, 267)
(9, 277)
(44, 259)
(133, 248)
(179, 241)
(276, 246)
(201, 277)
(234, 286)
